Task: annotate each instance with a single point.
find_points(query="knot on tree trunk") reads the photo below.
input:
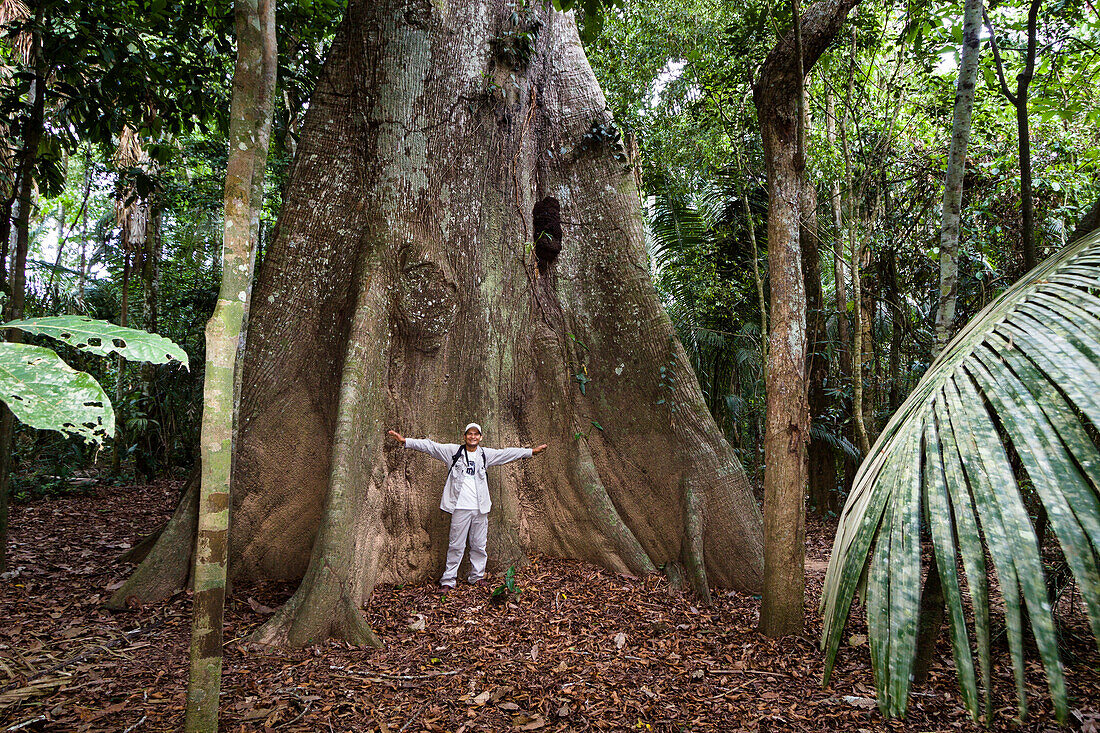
(426, 305)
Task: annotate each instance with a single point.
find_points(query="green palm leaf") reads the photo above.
(1020, 380)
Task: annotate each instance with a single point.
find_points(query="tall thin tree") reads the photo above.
(778, 96)
(1023, 129)
(249, 135)
(13, 310)
(956, 168)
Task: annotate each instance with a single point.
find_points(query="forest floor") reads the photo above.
(578, 649)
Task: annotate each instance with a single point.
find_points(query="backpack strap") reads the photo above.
(484, 460)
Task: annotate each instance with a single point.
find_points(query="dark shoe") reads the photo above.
(483, 583)
(441, 589)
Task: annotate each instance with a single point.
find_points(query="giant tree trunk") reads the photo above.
(402, 290)
(778, 96)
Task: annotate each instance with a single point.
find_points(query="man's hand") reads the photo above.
(401, 438)
(540, 449)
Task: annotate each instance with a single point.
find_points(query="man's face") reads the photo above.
(473, 437)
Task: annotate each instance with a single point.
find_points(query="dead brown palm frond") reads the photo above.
(130, 152)
(13, 11)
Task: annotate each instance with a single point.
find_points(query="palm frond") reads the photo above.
(827, 434)
(679, 230)
(1012, 400)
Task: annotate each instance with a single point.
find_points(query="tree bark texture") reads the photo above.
(249, 134)
(956, 169)
(401, 290)
(777, 94)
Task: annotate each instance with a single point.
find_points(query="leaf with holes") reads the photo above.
(46, 393)
(1020, 380)
(103, 338)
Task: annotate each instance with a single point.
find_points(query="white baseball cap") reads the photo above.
(471, 425)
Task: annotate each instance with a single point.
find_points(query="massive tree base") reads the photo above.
(411, 286)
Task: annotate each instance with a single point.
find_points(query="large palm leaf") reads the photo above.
(1015, 398)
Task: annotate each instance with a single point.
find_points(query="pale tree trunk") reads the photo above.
(79, 301)
(855, 250)
(932, 600)
(868, 300)
(120, 363)
(401, 290)
(249, 135)
(778, 96)
(32, 134)
(839, 279)
(897, 325)
(956, 170)
(762, 302)
(1019, 101)
(844, 346)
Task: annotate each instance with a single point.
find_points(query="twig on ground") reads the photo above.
(24, 724)
(412, 720)
(135, 725)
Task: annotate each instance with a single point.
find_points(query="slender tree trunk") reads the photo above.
(855, 248)
(856, 245)
(120, 364)
(839, 279)
(843, 347)
(79, 303)
(756, 277)
(7, 210)
(868, 299)
(932, 601)
(820, 456)
(1023, 130)
(956, 170)
(893, 301)
(32, 134)
(778, 96)
(249, 135)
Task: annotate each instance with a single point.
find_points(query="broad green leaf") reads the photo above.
(1019, 380)
(46, 393)
(103, 338)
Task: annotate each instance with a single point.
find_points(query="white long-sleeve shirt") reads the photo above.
(445, 452)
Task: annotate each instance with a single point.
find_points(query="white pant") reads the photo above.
(472, 523)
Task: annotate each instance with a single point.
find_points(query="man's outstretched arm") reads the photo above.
(424, 445)
(497, 456)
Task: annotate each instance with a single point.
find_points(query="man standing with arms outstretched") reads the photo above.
(466, 495)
